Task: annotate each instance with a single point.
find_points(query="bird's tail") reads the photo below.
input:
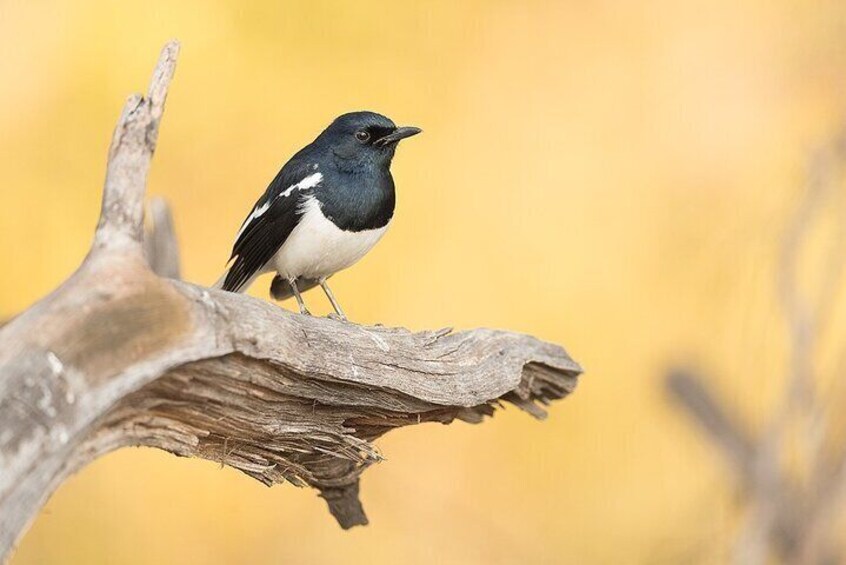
(220, 284)
(280, 288)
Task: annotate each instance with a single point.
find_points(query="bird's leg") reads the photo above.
(303, 310)
(338, 311)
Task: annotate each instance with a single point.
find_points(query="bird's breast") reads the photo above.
(360, 202)
(317, 247)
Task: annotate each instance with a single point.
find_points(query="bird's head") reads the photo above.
(365, 138)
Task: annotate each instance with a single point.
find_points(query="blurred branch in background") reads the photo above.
(792, 473)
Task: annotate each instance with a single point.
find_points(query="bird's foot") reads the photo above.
(305, 312)
(337, 317)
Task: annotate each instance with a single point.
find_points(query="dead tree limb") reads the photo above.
(119, 355)
(160, 246)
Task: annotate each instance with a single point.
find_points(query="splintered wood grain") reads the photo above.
(301, 399)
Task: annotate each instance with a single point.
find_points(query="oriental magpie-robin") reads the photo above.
(323, 211)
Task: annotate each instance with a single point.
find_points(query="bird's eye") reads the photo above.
(362, 136)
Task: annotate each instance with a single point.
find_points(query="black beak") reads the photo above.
(396, 135)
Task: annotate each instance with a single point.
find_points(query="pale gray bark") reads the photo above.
(123, 354)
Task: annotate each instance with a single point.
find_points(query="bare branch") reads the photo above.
(119, 355)
(791, 507)
(160, 245)
(133, 144)
(226, 377)
(733, 440)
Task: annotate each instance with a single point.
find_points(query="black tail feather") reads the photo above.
(280, 288)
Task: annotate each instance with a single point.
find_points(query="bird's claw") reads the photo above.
(337, 317)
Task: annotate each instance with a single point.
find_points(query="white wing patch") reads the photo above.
(257, 212)
(310, 181)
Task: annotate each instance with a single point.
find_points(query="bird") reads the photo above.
(322, 212)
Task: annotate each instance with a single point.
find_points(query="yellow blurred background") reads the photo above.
(607, 175)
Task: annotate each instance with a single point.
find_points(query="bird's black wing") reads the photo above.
(269, 224)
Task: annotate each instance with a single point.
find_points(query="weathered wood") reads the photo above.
(160, 246)
(123, 354)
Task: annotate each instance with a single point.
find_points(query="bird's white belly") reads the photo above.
(318, 248)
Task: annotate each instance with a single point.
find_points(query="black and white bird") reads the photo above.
(323, 211)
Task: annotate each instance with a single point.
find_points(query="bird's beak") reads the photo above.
(397, 134)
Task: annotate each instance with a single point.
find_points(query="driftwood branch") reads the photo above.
(161, 248)
(124, 354)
